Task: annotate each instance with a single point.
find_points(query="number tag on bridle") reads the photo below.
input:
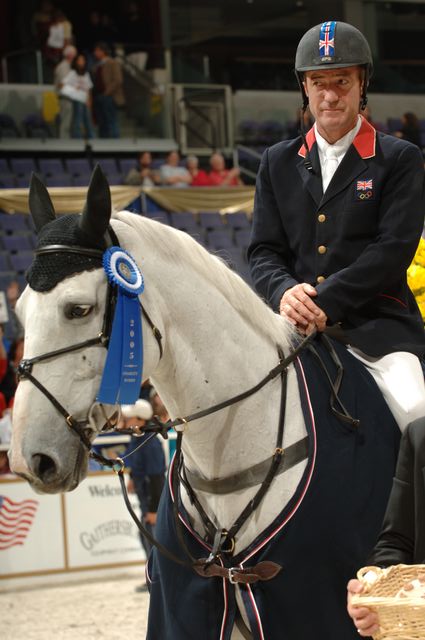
(122, 373)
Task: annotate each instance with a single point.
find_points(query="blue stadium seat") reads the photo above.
(4, 167)
(78, 167)
(8, 127)
(23, 166)
(5, 264)
(184, 220)
(242, 238)
(50, 166)
(23, 182)
(22, 260)
(18, 242)
(7, 181)
(219, 239)
(59, 180)
(238, 220)
(81, 181)
(160, 216)
(108, 166)
(14, 222)
(211, 220)
(6, 278)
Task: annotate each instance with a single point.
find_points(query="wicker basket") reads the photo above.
(401, 611)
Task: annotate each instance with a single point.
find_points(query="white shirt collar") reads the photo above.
(340, 147)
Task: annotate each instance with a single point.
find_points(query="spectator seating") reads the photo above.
(35, 126)
(23, 167)
(110, 169)
(159, 216)
(210, 220)
(51, 166)
(8, 127)
(80, 171)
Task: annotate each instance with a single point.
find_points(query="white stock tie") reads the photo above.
(331, 164)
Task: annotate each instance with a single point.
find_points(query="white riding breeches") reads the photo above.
(400, 378)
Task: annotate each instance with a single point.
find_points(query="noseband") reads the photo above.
(26, 365)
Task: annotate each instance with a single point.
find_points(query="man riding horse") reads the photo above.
(337, 219)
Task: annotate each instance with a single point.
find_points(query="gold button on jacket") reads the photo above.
(322, 249)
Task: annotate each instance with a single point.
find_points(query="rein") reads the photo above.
(223, 541)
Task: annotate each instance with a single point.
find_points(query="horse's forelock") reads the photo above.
(47, 270)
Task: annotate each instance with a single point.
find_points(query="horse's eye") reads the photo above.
(78, 310)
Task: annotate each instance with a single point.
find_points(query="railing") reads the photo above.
(240, 151)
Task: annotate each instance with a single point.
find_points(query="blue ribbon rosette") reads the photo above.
(122, 373)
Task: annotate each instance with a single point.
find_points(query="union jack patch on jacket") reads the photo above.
(364, 189)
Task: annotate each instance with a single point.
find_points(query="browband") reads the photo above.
(55, 248)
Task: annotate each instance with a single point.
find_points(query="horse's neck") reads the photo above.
(211, 354)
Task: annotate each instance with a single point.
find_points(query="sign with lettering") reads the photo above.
(99, 529)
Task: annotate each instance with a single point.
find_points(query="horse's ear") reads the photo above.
(98, 208)
(40, 204)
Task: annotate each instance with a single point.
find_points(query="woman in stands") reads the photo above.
(77, 86)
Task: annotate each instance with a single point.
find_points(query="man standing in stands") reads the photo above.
(108, 91)
(65, 105)
(338, 216)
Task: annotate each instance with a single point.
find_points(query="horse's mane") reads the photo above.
(179, 247)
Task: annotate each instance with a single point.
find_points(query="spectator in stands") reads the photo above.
(410, 130)
(65, 106)
(77, 86)
(60, 35)
(200, 177)
(13, 292)
(171, 174)
(143, 174)
(97, 28)
(219, 176)
(147, 468)
(108, 91)
(9, 381)
(135, 28)
(40, 23)
(12, 328)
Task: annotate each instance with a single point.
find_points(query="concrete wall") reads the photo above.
(283, 105)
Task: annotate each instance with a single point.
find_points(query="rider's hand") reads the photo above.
(297, 305)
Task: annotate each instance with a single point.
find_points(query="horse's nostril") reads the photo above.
(44, 467)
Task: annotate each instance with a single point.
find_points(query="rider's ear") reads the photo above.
(97, 210)
(40, 204)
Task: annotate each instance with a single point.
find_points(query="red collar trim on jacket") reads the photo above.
(364, 142)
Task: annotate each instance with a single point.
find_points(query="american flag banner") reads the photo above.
(16, 519)
(364, 185)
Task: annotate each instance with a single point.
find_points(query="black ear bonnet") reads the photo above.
(47, 270)
(85, 231)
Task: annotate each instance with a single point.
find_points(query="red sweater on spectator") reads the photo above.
(216, 178)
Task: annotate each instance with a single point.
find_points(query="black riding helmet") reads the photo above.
(333, 45)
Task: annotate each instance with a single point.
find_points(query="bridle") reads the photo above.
(25, 367)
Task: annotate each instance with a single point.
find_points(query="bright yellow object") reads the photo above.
(416, 276)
